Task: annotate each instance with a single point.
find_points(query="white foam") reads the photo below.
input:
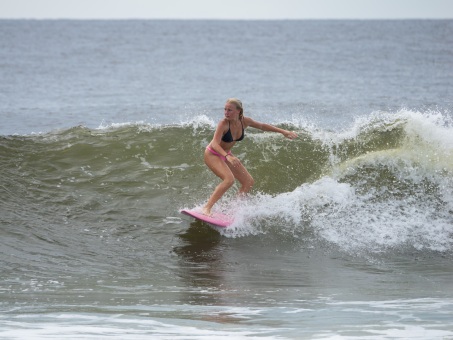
(434, 128)
(336, 213)
(98, 326)
(199, 121)
(252, 215)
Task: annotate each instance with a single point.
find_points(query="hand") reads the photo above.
(232, 160)
(290, 134)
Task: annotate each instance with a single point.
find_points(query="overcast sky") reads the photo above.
(226, 9)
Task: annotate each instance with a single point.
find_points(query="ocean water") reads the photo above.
(348, 233)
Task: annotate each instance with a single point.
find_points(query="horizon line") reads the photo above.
(224, 19)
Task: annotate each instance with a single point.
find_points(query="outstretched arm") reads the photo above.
(268, 127)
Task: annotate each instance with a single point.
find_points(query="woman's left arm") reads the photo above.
(267, 127)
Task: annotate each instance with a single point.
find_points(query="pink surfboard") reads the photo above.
(216, 219)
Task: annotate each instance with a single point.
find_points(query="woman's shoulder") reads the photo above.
(223, 124)
(248, 122)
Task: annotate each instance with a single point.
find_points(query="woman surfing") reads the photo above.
(218, 156)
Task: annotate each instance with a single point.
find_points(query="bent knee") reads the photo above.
(229, 181)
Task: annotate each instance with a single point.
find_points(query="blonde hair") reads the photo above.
(236, 102)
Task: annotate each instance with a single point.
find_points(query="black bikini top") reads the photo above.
(228, 137)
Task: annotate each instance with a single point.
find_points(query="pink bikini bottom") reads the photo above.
(211, 150)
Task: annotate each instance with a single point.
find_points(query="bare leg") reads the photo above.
(243, 176)
(221, 169)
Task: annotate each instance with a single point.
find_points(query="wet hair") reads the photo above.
(236, 102)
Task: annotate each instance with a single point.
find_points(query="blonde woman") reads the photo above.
(218, 156)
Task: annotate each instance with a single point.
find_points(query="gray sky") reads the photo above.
(227, 9)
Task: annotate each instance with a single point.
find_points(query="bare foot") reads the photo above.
(206, 211)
